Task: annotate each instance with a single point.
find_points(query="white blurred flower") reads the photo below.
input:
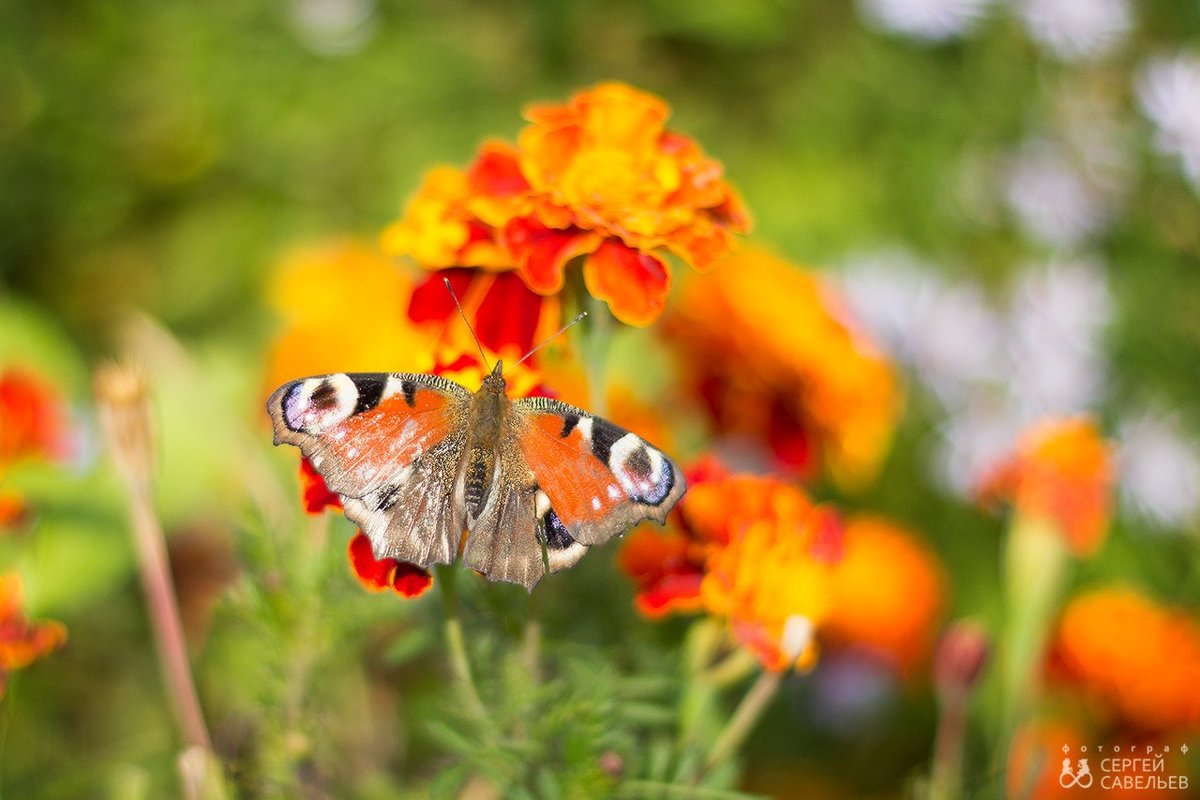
(958, 343)
(1159, 471)
(886, 292)
(1055, 202)
(973, 440)
(1077, 29)
(1169, 92)
(932, 20)
(1057, 318)
(334, 27)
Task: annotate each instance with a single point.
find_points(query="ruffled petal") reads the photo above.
(542, 253)
(633, 283)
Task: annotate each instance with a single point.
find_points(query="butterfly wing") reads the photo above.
(390, 445)
(567, 480)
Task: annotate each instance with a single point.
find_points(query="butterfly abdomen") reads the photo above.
(479, 469)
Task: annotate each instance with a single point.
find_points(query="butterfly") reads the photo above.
(418, 460)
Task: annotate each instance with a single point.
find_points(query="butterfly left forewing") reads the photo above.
(597, 478)
(390, 446)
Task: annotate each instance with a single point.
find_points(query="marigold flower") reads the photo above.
(1061, 472)
(407, 580)
(32, 418)
(344, 309)
(772, 565)
(33, 424)
(772, 357)
(888, 592)
(22, 642)
(600, 177)
(1136, 657)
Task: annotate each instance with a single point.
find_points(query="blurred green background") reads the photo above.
(157, 158)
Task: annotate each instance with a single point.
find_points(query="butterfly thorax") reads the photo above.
(488, 408)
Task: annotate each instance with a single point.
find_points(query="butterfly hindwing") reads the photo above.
(597, 477)
(390, 444)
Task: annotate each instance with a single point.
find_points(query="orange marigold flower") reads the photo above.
(667, 566)
(599, 176)
(1062, 472)
(407, 580)
(770, 573)
(888, 592)
(1138, 658)
(33, 424)
(775, 362)
(22, 642)
(32, 418)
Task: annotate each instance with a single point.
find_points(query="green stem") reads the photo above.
(1036, 561)
(594, 337)
(744, 719)
(1035, 565)
(460, 663)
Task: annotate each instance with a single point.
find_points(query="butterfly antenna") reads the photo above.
(467, 322)
(561, 330)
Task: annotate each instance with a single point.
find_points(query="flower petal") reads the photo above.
(315, 494)
(633, 283)
(542, 253)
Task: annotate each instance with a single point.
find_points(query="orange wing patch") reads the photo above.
(582, 490)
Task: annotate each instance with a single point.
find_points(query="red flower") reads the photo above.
(315, 495)
(408, 580)
(506, 315)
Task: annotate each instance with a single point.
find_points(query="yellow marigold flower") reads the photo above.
(888, 591)
(774, 360)
(22, 642)
(769, 573)
(1062, 472)
(344, 309)
(1137, 657)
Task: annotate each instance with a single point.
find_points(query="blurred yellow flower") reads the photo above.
(889, 590)
(1061, 472)
(344, 309)
(1137, 657)
(772, 356)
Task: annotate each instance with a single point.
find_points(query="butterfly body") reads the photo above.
(419, 460)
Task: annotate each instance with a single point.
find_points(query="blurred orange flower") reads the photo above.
(33, 425)
(889, 590)
(749, 549)
(1138, 658)
(22, 642)
(1061, 472)
(1036, 759)
(32, 418)
(772, 357)
(598, 176)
